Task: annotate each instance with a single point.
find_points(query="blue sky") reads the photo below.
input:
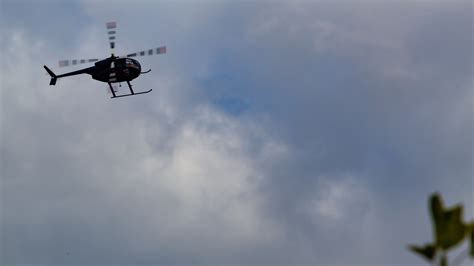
(277, 132)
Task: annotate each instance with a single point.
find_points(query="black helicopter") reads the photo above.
(114, 69)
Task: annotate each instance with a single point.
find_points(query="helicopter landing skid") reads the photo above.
(125, 95)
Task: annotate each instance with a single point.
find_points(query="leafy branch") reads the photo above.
(449, 231)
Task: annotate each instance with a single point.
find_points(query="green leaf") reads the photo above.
(448, 226)
(428, 251)
(436, 206)
(454, 229)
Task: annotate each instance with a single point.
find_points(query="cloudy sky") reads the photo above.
(277, 132)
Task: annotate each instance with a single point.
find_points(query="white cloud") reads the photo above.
(211, 175)
(339, 198)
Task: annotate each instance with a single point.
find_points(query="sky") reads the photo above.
(277, 132)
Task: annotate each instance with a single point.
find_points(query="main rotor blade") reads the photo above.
(155, 51)
(65, 63)
(111, 26)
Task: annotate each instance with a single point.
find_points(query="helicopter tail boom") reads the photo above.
(53, 76)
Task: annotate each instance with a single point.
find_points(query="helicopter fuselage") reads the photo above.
(110, 70)
(115, 70)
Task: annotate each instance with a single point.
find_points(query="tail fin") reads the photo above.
(53, 76)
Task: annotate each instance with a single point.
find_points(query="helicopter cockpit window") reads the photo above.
(132, 63)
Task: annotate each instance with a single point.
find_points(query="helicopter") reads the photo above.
(114, 69)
